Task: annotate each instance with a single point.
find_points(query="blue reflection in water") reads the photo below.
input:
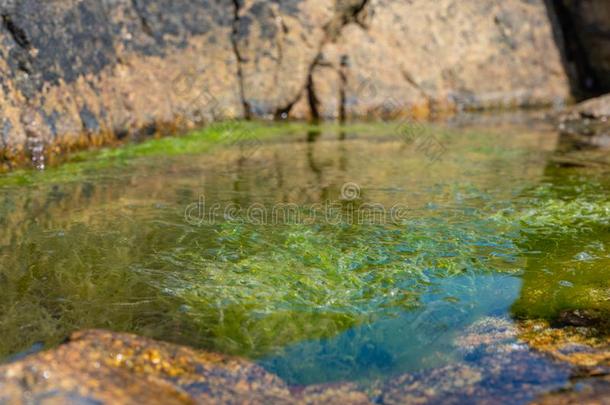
(412, 341)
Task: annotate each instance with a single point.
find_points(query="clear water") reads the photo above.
(490, 227)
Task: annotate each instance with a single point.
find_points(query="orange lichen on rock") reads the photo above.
(579, 345)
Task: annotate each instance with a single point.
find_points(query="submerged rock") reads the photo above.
(496, 368)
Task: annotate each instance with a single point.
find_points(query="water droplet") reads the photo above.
(37, 151)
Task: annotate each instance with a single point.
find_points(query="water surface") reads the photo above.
(325, 291)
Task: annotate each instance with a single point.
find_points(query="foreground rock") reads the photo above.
(592, 391)
(89, 72)
(585, 345)
(497, 368)
(580, 338)
(105, 367)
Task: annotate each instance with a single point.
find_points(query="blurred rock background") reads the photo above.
(77, 73)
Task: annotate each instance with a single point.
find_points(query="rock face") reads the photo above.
(413, 58)
(76, 73)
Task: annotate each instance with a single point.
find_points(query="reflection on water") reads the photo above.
(409, 341)
(313, 301)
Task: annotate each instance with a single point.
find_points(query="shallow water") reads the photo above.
(379, 255)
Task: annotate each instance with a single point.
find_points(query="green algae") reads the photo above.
(246, 135)
(569, 270)
(82, 164)
(566, 230)
(269, 287)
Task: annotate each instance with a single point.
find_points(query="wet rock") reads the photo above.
(497, 368)
(339, 394)
(588, 123)
(582, 392)
(106, 367)
(587, 347)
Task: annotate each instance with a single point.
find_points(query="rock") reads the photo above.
(82, 73)
(588, 123)
(411, 58)
(582, 392)
(587, 347)
(496, 368)
(120, 368)
(337, 394)
(580, 317)
(105, 367)
(276, 44)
